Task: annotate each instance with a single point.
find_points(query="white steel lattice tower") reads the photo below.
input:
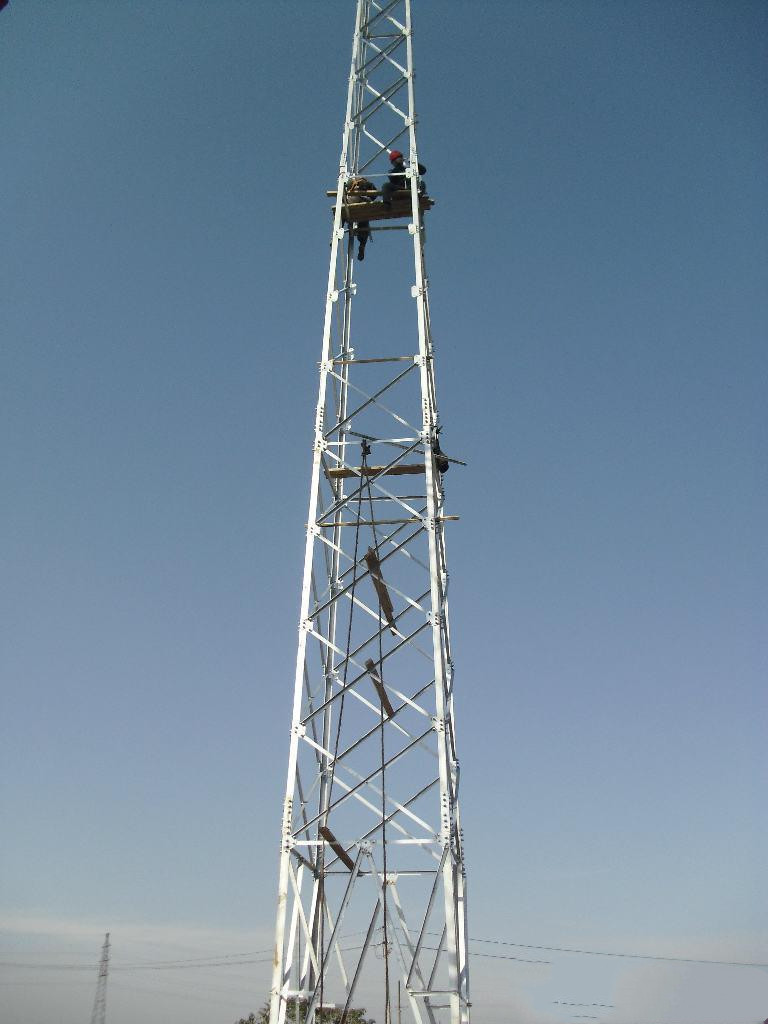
(99, 1014)
(371, 901)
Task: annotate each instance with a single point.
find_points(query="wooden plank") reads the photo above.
(385, 601)
(402, 469)
(336, 846)
(357, 212)
(383, 697)
(372, 192)
(401, 207)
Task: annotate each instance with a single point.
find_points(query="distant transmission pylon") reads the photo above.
(99, 1014)
(372, 881)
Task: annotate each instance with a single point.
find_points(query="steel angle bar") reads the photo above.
(371, 400)
(305, 928)
(310, 1011)
(374, 399)
(416, 842)
(382, 12)
(368, 476)
(383, 147)
(328, 575)
(336, 395)
(430, 904)
(385, 628)
(389, 538)
(364, 362)
(337, 947)
(316, 891)
(304, 798)
(351, 791)
(392, 650)
(406, 497)
(410, 555)
(315, 781)
(303, 801)
(415, 966)
(380, 35)
(380, 98)
(390, 817)
(396, 499)
(307, 691)
(400, 808)
(404, 960)
(409, 601)
(342, 523)
(304, 862)
(382, 54)
(386, 53)
(344, 687)
(399, 873)
(378, 884)
(398, 442)
(359, 697)
(323, 459)
(374, 729)
(329, 543)
(374, 810)
(384, 624)
(403, 808)
(415, 741)
(382, 631)
(292, 931)
(366, 945)
(438, 952)
(385, 100)
(326, 753)
(354, 495)
(348, 586)
(411, 701)
(396, 547)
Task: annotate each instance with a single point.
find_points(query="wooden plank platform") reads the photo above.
(401, 207)
(344, 473)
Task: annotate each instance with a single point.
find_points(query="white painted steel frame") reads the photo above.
(412, 823)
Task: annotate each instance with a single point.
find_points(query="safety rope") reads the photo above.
(332, 772)
(380, 672)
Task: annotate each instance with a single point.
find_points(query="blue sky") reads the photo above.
(597, 263)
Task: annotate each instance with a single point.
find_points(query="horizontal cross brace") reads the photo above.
(387, 522)
(387, 359)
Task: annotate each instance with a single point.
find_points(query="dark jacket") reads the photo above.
(397, 178)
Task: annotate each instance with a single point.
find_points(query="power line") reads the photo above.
(225, 960)
(233, 959)
(630, 956)
(198, 959)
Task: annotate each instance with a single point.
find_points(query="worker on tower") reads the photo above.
(359, 187)
(397, 177)
(441, 461)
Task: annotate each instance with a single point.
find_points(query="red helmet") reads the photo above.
(395, 155)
